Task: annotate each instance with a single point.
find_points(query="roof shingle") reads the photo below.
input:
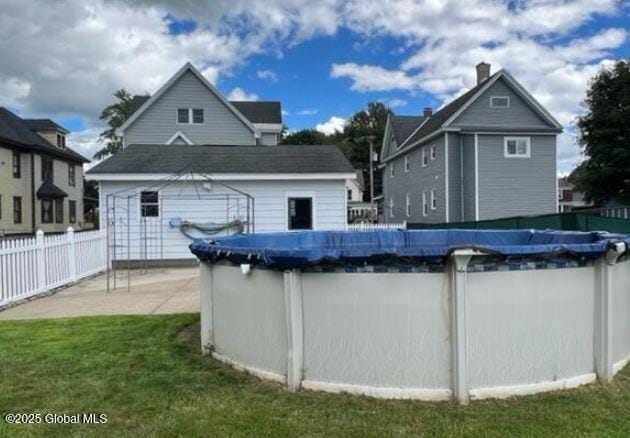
(173, 159)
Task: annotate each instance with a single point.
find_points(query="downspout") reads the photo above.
(33, 192)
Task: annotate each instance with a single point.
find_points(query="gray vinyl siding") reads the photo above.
(455, 177)
(417, 180)
(269, 138)
(516, 186)
(468, 150)
(518, 115)
(159, 122)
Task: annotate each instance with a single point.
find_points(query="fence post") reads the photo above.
(459, 328)
(72, 254)
(41, 260)
(207, 327)
(295, 333)
(603, 315)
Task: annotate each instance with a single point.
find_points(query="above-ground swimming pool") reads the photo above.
(429, 314)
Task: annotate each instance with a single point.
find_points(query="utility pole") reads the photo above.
(371, 141)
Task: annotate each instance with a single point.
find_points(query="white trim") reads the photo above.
(425, 206)
(182, 136)
(476, 177)
(524, 132)
(268, 127)
(500, 97)
(426, 394)
(461, 176)
(300, 194)
(425, 160)
(446, 176)
(258, 372)
(407, 205)
(473, 98)
(433, 205)
(528, 142)
(618, 366)
(418, 143)
(386, 137)
(391, 206)
(532, 388)
(220, 176)
(186, 67)
(139, 205)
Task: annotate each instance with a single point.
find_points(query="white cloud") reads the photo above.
(394, 103)
(373, 78)
(267, 75)
(86, 143)
(239, 94)
(334, 124)
(307, 112)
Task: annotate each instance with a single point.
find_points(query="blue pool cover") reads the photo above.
(299, 249)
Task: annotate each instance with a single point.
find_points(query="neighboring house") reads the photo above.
(490, 153)
(357, 208)
(568, 198)
(41, 179)
(188, 125)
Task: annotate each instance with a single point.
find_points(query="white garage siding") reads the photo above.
(270, 211)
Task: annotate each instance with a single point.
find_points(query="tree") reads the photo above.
(305, 136)
(360, 128)
(605, 137)
(115, 115)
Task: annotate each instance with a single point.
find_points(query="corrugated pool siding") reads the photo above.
(468, 149)
(158, 123)
(519, 113)
(516, 186)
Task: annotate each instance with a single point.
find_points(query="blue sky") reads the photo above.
(323, 60)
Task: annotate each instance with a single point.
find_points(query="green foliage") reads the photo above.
(605, 137)
(363, 126)
(309, 136)
(115, 115)
(147, 375)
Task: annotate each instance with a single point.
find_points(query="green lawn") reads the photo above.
(147, 375)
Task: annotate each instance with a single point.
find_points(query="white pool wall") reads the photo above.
(429, 336)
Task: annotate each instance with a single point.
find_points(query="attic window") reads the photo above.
(499, 102)
(61, 141)
(197, 115)
(182, 115)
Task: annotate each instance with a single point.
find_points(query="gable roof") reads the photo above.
(16, 131)
(403, 126)
(259, 111)
(172, 81)
(44, 125)
(448, 113)
(172, 159)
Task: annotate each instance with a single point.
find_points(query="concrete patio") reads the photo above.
(173, 290)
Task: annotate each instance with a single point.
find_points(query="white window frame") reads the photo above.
(407, 164)
(425, 206)
(425, 161)
(192, 119)
(433, 152)
(300, 194)
(158, 204)
(391, 206)
(190, 116)
(408, 205)
(433, 200)
(391, 170)
(499, 97)
(528, 142)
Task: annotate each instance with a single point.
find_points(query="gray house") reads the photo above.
(490, 153)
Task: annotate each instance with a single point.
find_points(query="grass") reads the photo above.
(147, 375)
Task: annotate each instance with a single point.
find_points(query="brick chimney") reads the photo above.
(483, 72)
(427, 112)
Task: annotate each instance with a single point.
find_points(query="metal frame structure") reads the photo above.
(120, 219)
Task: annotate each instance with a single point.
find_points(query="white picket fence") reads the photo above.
(34, 265)
(371, 227)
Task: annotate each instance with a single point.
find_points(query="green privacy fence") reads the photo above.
(564, 221)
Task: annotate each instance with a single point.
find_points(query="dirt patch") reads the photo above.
(190, 335)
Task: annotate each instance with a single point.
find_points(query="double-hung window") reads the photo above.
(47, 169)
(72, 211)
(433, 200)
(408, 205)
(391, 207)
(149, 203)
(17, 167)
(518, 147)
(391, 170)
(407, 164)
(425, 159)
(59, 210)
(17, 209)
(71, 175)
(433, 152)
(425, 205)
(47, 211)
(190, 116)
